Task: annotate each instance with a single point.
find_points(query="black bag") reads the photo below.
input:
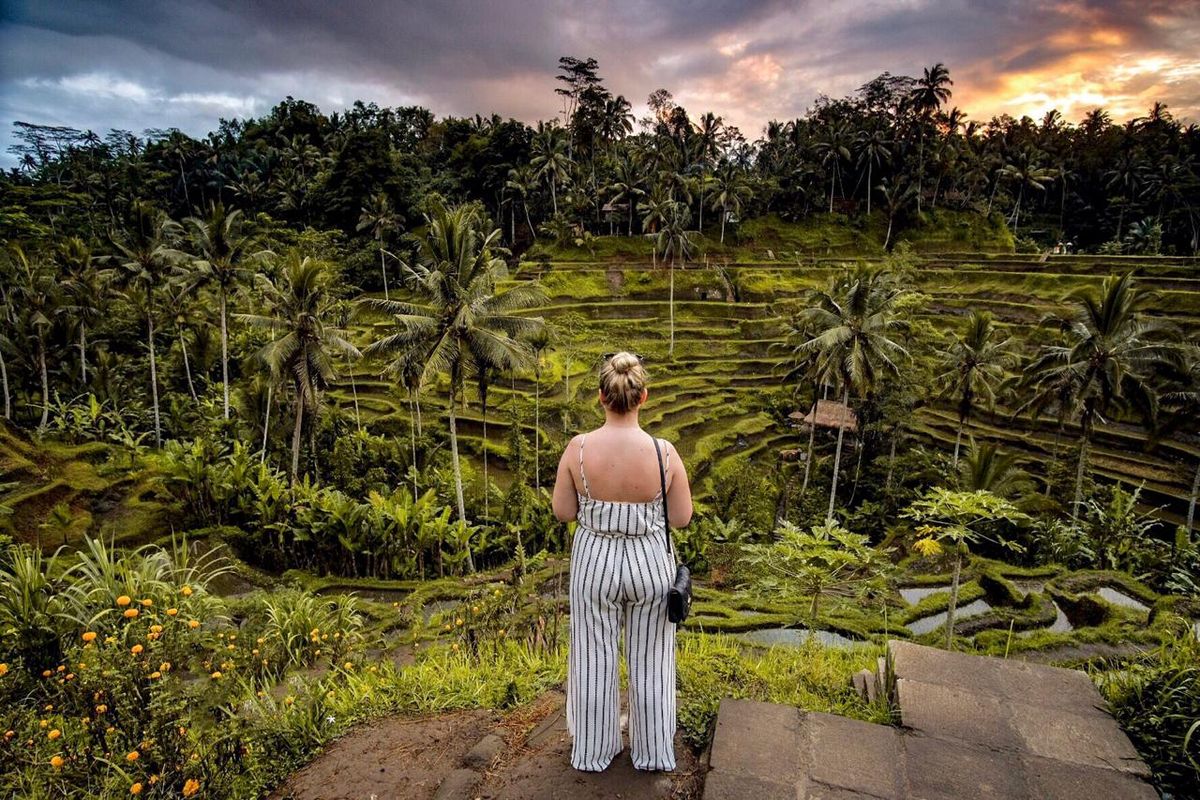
(679, 596)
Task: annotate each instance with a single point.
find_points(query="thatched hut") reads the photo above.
(829, 414)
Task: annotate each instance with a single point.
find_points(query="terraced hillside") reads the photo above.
(709, 396)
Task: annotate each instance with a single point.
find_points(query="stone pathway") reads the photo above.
(971, 727)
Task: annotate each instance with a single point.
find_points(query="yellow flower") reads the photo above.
(155, 675)
(165, 666)
(100, 709)
(136, 649)
(46, 673)
(928, 547)
(193, 624)
(147, 602)
(502, 631)
(133, 755)
(135, 789)
(124, 600)
(89, 636)
(458, 621)
(348, 665)
(57, 762)
(216, 676)
(172, 612)
(156, 628)
(131, 613)
(287, 701)
(54, 734)
(3, 670)
(190, 787)
(186, 591)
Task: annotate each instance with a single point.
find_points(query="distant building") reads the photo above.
(829, 414)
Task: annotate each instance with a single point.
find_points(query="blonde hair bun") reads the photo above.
(622, 381)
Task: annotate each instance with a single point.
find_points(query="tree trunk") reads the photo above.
(224, 354)
(412, 435)
(266, 426)
(888, 238)
(383, 269)
(153, 380)
(958, 440)
(537, 429)
(887, 484)
(630, 215)
(953, 597)
(831, 192)
(724, 213)
(554, 195)
(812, 432)
(671, 270)
(1191, 515)
(4, 381)
(187, 367)
(296, 434)
(1054, 455)
(458, 485)
(83, 352)
(837, 458)
(869, 165)
(529, 221)
(46, 383)
(354, 394)
(1079, 470)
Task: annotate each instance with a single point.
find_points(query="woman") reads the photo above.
(621, 569)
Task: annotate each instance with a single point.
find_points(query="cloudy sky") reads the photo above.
(135, 64)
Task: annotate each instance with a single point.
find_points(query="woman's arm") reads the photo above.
(679, 491)
(565, 501)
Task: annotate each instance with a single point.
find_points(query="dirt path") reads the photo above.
(443, 757)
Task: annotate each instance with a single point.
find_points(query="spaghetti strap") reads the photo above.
(587, 492)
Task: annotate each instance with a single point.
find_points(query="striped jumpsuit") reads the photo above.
(620, 573)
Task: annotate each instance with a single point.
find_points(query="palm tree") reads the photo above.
(675, 242)
(224, 247)
(177, 300)
(708, 141)
(626, 186)
(145, 257)
(298, 308)
(987, 468)
(35, 302)
(873, 147)
(539, 342)
(895, 197)
(1109, 355)
(523, 182)
(656, 211)
(974, 366)
(927, 96)
(1027, 173)
(730, 190)
(85, 291)
(461, 321)
(380, 218)
(853, 324)
(833, 149)
(802, 367)
(551, 161)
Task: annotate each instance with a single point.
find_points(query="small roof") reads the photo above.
(830, 414)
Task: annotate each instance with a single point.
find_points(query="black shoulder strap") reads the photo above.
(662, 479)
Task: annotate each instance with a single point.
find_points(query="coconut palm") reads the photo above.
(656, 210)
(854, 324)
(551, 162)
(539, 342)
(730, 189)
(873, 148)
(802, 368)
(626, 186)
(895, 197)
(225, 250)
(708, 131)
(833, 148)
(460, 321)
(85, 291)
(974, 366)
(35, 303)
(145, 257)
(298, 312)
(379, 217)
(927, 96)
(987, 468)
(1027, 173)
(523, 182)
(1109, 354)
(675, 242)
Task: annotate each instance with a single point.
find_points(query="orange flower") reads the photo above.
(156, 628)
(54, 734)
(100, 709)
(186, 591)
(46, 673)
(133, 755)
(131, 613)
(135, 789)
(190, 787)
(124, 600)
(193, 624)
(3, 670)
(165, 666)
(172, 612)
(89, 636)
(147, 602)
(155, 675)
(57, 762)
(136, 649)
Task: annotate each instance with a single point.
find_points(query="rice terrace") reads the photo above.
(284, 402)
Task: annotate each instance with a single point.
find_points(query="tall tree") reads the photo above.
(928, 94)
(461, 319)
(226, 249)
(675, 242)
(35, 303)
(854, 324)
(974, 367)
(379, 217)
(85, 291)
(299, 308)
(551, 162)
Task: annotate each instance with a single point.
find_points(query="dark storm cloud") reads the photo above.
(155, 64)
